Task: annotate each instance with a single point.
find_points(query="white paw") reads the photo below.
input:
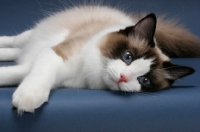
(27, 99)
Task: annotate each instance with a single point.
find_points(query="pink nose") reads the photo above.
(122, 79)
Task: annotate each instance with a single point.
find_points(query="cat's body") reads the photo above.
(93, 47)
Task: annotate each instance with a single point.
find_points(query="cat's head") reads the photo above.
(135, 62)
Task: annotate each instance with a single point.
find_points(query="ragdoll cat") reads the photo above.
(94, 47)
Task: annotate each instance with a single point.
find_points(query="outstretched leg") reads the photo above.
(45, 74)
(15, 41)
(9, 54)
(10, 46)
(13, 75)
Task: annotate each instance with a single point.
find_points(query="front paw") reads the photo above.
(27, 100)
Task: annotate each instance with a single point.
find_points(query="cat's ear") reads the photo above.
(144, 29)
(177, 71)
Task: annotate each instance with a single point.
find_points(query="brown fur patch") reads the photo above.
(67, 49)
(83, 27)
(115, 44)
(77, 38)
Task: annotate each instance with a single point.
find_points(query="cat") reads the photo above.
(95, 47)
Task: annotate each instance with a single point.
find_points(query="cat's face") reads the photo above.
(134, 63)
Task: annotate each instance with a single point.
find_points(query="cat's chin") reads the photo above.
(131, 86)
(113, 85)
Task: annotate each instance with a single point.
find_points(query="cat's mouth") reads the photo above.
(119, 80)
(118, 83)
(123, 84)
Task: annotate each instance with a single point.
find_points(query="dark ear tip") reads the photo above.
(178, 71)
(192, 70)
(152, 15)
(189, 70)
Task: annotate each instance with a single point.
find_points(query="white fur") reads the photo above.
(87, 69)
(12, 75)
(35, 88)
(15, 41)
(6, 41)
(94, 67)
(136, 69)
(41, 69)
(37, 42)
(9, 54)
(98, 72)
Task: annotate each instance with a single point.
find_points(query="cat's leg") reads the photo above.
(7, 41)
(13, 75)
(9, 54)
(17, 41)
(45, 74)
(10, 46)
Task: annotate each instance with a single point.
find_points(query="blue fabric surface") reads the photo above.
(81, 110)
(174, 109)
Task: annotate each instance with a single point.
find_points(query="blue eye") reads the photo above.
(144, 80)
(127, 57)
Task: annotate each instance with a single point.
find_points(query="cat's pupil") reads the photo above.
(145, 80)
(128, 57)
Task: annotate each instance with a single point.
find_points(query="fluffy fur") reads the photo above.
(94, 47)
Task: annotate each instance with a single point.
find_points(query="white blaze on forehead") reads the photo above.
(137, 68)
(140, 66)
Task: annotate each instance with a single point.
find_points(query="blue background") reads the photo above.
(19, 15)
(176, 109)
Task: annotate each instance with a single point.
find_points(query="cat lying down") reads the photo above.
(94, 47)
